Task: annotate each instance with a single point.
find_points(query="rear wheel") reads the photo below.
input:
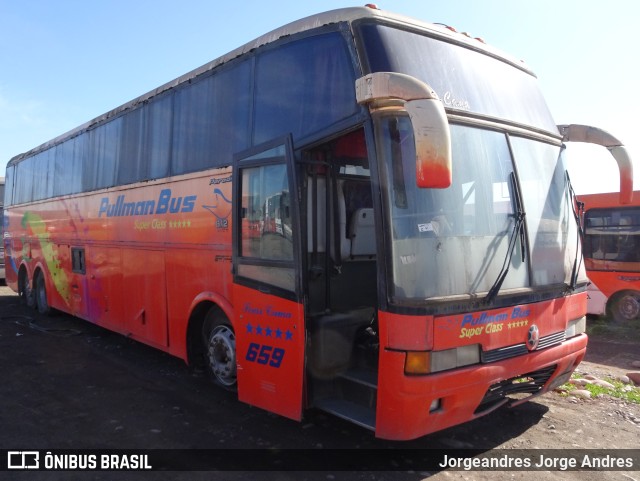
(220, 349)
(40, 293)
(624, 307)
(24, 289)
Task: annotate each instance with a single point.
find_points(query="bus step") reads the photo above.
(360, 415)
(365, 377)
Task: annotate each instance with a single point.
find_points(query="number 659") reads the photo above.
(264, 354)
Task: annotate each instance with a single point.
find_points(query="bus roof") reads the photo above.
(345, 15)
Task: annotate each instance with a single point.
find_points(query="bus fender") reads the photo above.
(192, 341)
(217, 299)
(24, 264)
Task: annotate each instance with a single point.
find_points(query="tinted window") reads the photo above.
(233, 106)
(24, 184)
(193, 142)
(67, 175)
(303, 87)
(101, 165)
(159, 117)
(211, 120)
(133, 151)
(612, 235)
(145, 145)
(42, 174)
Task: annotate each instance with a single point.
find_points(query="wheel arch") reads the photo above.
(201, 305)
(23, 270)
(39, 267)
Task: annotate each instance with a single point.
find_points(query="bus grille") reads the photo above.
(503, 353)
(518, 387)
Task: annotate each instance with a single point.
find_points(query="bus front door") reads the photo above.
(269, 314)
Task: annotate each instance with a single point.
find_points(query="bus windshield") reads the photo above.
(612, 239)
(454, 241)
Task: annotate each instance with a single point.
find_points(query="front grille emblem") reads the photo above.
(533, 337)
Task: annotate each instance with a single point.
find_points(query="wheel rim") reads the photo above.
(221, 352)
(629, 307)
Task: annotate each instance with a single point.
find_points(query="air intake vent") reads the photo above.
(516, 388)
(503, 353)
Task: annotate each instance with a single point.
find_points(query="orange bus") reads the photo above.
(358, 212)
(611, 249)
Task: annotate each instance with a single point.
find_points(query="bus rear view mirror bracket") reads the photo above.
(394, 91)
(594, 135)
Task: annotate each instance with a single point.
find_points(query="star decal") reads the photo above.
(268, 331)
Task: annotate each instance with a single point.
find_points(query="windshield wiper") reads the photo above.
(576, 208)
(518, 232)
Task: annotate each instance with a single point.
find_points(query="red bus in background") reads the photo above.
(611, 249)
(358, 212)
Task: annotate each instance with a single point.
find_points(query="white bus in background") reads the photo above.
(596, 301)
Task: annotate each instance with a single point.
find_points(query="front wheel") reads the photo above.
(624, 307)
(220, 350)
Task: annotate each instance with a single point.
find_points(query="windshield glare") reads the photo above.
(454, 241)
(553, 231)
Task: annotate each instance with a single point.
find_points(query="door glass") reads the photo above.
(266, 213)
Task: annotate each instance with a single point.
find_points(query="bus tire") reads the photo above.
(25, 291)
(220, 349)
(40, 293)
(624, 307)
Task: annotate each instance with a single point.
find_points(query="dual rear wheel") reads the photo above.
(34, 294)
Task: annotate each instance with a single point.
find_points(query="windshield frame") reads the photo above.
(508, 294)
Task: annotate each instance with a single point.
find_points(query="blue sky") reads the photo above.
(65, 62)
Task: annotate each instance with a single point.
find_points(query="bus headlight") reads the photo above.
(575, 327)
(427, 362)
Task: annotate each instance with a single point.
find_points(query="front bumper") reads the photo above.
(411, 406)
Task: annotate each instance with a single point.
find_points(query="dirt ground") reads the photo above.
(67, 384)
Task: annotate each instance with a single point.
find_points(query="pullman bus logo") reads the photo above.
(23, 460)
(533, 337)
(166, 203)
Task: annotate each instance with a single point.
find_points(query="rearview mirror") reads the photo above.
(594, 135)
(389, 91)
